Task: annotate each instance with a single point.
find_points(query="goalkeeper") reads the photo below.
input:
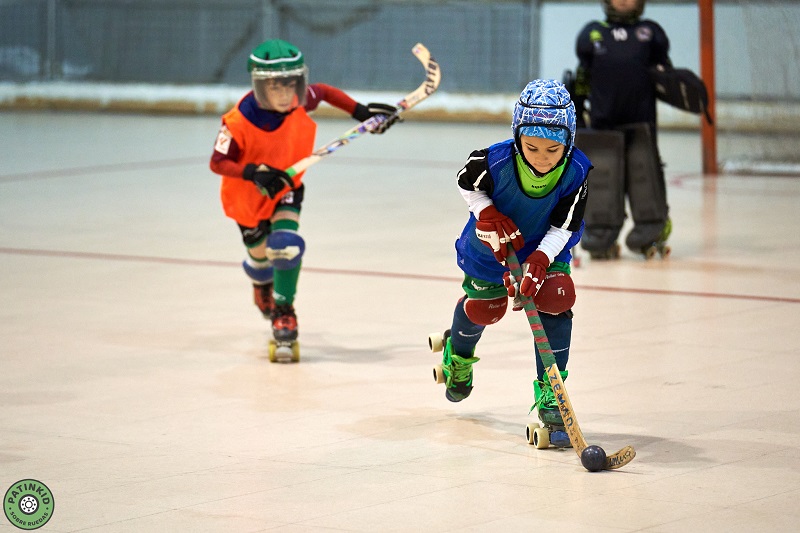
(615, 58)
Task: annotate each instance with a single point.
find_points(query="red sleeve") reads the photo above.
(225, 159)
(224, 166)
(318, 92)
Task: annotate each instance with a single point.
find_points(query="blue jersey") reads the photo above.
(562, 207)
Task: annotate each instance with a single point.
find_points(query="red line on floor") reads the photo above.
(370, 273)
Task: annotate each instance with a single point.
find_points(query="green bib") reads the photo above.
(532, 184)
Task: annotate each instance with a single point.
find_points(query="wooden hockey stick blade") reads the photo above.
(431, 83)
(433, 76)
(615, 460)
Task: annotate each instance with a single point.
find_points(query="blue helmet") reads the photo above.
(545, 109)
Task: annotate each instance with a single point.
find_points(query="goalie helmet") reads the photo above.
(545, 109)
(277, 61)
(628, 16)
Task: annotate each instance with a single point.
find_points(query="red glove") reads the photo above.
(510, 288)
(534, 270)
(496, 230)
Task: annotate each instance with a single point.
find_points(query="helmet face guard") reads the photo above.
(263, 80)
(277, 62)
(545, 109)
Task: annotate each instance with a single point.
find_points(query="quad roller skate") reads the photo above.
(612, 252)
(284, 348)
(601, 243)
(455, 371)
(650, 239)
(551, 430)
(262, 297)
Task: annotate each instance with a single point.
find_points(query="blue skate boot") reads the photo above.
(546, 406)
(455, 371)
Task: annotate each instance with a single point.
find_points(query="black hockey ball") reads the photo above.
(593, 458)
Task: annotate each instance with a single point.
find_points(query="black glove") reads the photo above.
(364, 112)
(271, 181)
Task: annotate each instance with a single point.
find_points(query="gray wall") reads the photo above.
(757, 43)
(484, 46)
(354, 44)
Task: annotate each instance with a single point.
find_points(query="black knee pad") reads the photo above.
(252, 237)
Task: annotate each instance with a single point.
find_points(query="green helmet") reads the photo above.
(280, 61)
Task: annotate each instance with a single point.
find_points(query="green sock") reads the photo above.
(286, 285)
(285, 282)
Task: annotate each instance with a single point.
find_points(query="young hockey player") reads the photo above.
(529, 191)
(266, 132)
(614, 73)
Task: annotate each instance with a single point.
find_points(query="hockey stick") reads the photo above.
(576, 438)
(428, 87)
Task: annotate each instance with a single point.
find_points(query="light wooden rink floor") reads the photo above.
(135, 383)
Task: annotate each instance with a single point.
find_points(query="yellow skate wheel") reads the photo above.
(649, 252)
(280, 352)
(664, 250)
(273, 346)
(538, 436)
(541, 438)
(529, 429)
(438, 374)
(436, 342)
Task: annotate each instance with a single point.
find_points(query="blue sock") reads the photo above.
(464, 333)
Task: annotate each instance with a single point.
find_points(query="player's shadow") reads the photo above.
(487, 430)
(315, 349)
(651, 448)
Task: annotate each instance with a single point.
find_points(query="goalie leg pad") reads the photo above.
(605, 206)
(646, 188)
(285, 249)
(485, 312)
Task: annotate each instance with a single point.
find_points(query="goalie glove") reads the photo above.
(496, 230)
(270, 181)
(365, 112)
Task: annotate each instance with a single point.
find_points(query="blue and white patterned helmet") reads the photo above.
(545, 109)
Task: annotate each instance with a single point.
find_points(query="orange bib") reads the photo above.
(291, 142)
